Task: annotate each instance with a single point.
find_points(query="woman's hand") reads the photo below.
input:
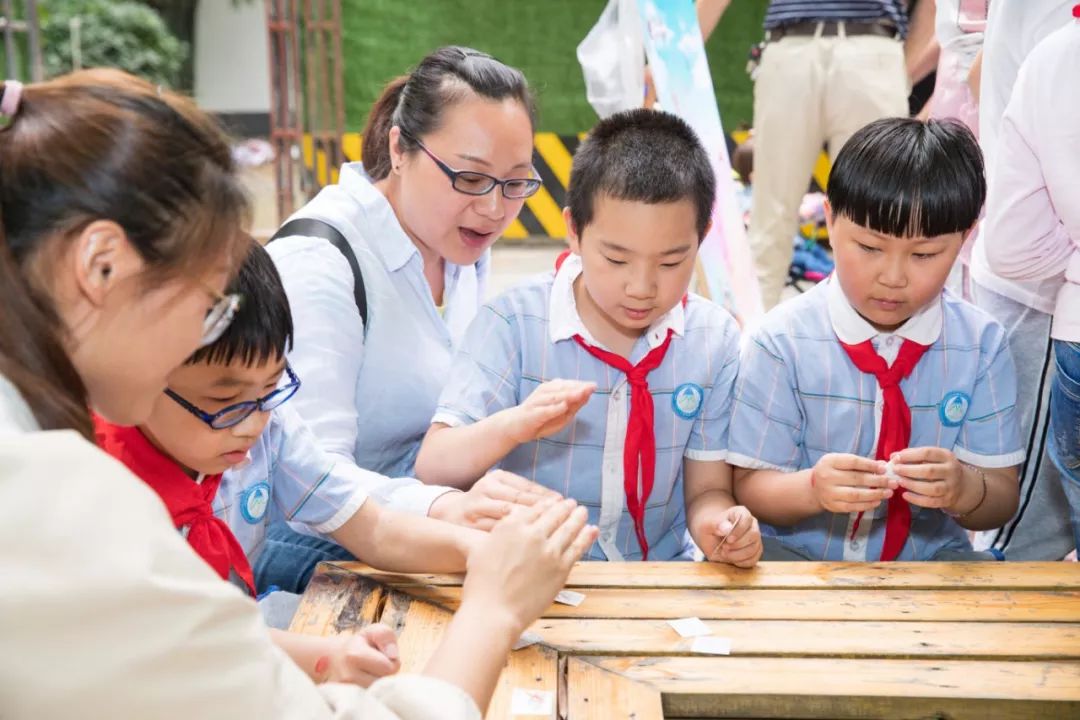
(489, 500)
(516, 571)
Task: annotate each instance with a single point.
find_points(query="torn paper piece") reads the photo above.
(890, 472)
(527, 639)
(711, 645)
(690, 627)
(569, 597)
(532, 702)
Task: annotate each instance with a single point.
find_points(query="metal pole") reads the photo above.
(33, 30)
(75, 25)
(9, 40)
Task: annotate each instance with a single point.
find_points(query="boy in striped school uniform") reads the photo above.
(874, 417)
(226, 454)
(605, 380)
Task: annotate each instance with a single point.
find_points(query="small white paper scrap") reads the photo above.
(890, 472)
(569, 597)
(711, 645)
(532, 702)
(690, 627)
(526, 640)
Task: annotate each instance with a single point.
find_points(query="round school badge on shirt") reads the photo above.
(687, 399)
(954, 408)
(254, 501)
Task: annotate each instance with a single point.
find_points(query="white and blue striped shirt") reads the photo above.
(287, 476)
(800, 397)
(525, 337)
(786, 12)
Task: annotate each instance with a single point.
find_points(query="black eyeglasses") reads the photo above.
(235, 414)
(478, 183)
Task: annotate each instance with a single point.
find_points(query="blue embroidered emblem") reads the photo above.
(254, 501)
(687, 400)
(954, 408)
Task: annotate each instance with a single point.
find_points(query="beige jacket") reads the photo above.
(105, 612)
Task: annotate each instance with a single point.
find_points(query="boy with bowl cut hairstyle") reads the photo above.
(874, 416)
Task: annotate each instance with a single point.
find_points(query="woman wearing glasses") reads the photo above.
(120, 226)
(447, 166)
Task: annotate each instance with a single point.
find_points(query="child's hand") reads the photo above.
(547, 410)
(360, 659)
(516, 570)
(850, 483)
(931, 477)
(489, 500)
(738, 538)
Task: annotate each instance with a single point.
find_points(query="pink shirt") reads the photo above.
(1033, 207)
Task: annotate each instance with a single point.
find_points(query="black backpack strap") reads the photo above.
(311, 227)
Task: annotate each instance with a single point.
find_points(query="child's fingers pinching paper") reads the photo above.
(918, 455)
(924, 471)
(383, 639)
(740, 523)
(857, 463)
(872, 480)
(926, 488)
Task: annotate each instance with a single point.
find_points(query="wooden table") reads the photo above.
(808, 640)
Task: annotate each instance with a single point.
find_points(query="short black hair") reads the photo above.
(908, 178)
(644, 156)
(263, 327)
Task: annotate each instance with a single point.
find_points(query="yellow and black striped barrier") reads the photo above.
(552, 156)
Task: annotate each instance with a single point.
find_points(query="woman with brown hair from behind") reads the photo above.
(120, 225)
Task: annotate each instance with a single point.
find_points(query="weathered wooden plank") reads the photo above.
(792, 638)
(532, 668)
(913, 576)
(420, 628)
(597, 694)
(814, 688)
(337, 601)
(755, 604)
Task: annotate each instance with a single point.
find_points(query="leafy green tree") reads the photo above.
(111, 33)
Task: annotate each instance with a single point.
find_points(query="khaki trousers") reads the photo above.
(811, 91)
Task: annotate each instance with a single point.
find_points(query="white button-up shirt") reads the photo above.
(1013, 29)
(1034, 199)
(369, 393)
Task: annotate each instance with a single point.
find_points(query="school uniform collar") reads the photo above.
(924, 327)
(382, 231)
(564, 322)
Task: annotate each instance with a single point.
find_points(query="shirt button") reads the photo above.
(855, 544)
(890, 340)
(617, 394)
